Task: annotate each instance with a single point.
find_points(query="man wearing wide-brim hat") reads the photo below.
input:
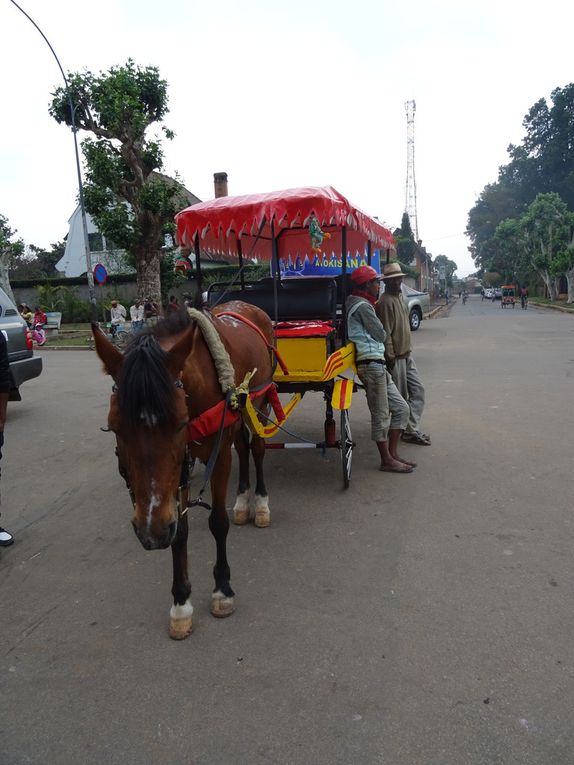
(394, 315)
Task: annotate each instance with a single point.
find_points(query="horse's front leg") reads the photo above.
(261, 499)
(222, 602)
(241, 507)
(180, 615)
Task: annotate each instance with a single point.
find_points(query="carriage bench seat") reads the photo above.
(296, 300)
(303, 329)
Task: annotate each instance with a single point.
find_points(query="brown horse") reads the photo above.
(165, 380)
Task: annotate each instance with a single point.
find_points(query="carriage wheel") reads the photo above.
(346, 446)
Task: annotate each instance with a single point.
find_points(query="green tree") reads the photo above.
(543, 163)
(405, 241)
(441, 261)
(10, 249)
(512, 260)
(547, 226)
(35, 262)
(132, 203)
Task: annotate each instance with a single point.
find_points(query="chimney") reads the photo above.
(220, 184)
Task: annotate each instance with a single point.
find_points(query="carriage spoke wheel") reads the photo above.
(346, 447)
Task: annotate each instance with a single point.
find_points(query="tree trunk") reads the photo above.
(570, 279)
(5, 276)
(148, 278)
(550, 283)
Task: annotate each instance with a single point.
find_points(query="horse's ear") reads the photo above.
(111, 357)
(177, 355)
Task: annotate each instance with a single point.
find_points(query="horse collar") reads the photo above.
(178, 384)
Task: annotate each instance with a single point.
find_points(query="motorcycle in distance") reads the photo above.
(38, 334)
(464, 298)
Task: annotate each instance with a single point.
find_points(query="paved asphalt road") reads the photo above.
(421, 619)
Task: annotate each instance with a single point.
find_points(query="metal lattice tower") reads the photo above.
(411, 186)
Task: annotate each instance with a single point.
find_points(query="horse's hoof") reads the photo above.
(240, 517)
(262, 519)
(241, 509)
(180, 621)
(262, 513)
(222, 605)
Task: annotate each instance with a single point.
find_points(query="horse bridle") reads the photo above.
(186, 466)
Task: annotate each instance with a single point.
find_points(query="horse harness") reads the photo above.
(234, 401)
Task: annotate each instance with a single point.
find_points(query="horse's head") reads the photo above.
(149, 416)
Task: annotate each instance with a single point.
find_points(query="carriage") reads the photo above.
(507, 296)
(311, 238)
(199, 382)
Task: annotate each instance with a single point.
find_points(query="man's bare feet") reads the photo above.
(394, 466)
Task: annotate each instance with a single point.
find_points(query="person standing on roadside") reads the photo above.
(389, 411)
(137, 316)
(394, 316)
(173, 305)
(151, 313)
(117, 315)
(6, 539)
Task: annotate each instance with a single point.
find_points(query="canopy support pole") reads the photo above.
(369, 253)
(240, 255)
(344, 280)
(199, 294)
(275, 256)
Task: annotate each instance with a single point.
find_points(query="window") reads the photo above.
(96, 242)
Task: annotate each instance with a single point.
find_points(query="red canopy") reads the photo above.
(251, 214)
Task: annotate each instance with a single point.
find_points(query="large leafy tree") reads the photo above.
(132, 203)
(35, 262)
(547, 225)
(542, 163)
(540, 240)
(441, 261)
(11, 248)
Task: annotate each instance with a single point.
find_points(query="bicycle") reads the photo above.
(118, 334)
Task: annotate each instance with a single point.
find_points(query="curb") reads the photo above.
(63, 348)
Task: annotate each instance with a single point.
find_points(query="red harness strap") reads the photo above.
(209, 422)
(249, 323)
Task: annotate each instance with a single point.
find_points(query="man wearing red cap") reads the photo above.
(393, 313)
(389, 411)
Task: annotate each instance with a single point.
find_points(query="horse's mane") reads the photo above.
(145, 386)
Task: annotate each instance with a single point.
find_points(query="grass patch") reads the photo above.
(553, 303)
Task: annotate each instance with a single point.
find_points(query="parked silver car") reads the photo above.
(23, 364)
(418, 304)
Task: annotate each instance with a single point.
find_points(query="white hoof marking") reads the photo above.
(222, 605)
(241, 509)
(262, 512)
(180, 621)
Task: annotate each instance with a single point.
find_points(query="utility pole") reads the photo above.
(89, 273)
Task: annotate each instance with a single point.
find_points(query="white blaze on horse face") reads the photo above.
(154, 501)
(149, 420)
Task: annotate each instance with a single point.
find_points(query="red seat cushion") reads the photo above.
(303, 328)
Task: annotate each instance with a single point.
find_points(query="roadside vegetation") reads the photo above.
(522, 226)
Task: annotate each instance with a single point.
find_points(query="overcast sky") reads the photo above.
(291, 93)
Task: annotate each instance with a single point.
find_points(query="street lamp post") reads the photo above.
(89, 273)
